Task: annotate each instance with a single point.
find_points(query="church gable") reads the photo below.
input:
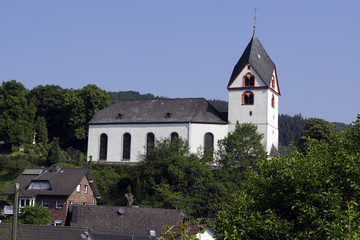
(257, 58)
(248, 77)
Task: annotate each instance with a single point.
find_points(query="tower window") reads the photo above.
(126, 146)
(250, 113)
(249, 80)
(248, 98)
(103, 146)
(273, 101)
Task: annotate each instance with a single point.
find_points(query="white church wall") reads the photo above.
(198, 131)
(273, 137)
(138, 134)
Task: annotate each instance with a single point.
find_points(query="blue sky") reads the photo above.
(187, 48)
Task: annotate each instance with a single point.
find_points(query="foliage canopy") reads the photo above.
(300, 196)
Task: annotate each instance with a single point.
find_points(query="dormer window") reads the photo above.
(40, 185)
(249, 80)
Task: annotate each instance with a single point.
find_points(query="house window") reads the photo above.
(174, 135)
(71, 202)
(78, 188)
(26, 202)
(85, 189)
(248, 98)
(126, 146)
(150, 141)
(45, 203)
(84, 203)
(273, 101)
(59, 204)
(209, 142)
(249, 80)
(103, 146)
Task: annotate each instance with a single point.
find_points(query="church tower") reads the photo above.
(254, 93)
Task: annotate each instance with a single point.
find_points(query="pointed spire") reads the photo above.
(254, 22)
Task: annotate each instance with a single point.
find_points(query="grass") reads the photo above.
(5, 181)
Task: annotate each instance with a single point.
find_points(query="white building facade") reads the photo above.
(122, 132)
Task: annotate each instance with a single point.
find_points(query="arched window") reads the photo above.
(248, 98)
(249, 80)
(126, 146)
(273, 101)
(209, 141)
(103, 146)
(174, 135)
(150, 141)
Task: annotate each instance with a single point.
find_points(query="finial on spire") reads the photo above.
(254, 22)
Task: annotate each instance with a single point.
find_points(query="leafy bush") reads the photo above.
(35, 215)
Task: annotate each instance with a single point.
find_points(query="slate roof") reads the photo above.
(179, 110)
(134, 220)
(274, 152)
(263, 65)
(38, 232)
(63, 182)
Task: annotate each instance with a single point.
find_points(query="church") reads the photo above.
(121, 132)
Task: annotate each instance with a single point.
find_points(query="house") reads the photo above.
(122, 132)
(56, 188)
(133, 222)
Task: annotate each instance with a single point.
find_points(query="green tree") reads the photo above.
(55, 154)
(83, 105)
(309, 195)
(16, 115)
(41, 130)
(318, 129)
(352, 136)
(35, 215)
(175, 178)
(241, 148)
(50, 102)
(183, 232)
(290, 128)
